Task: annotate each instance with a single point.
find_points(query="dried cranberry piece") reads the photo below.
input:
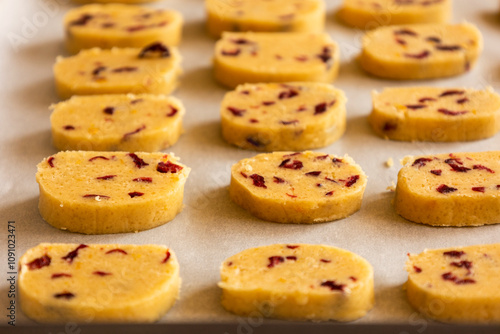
(451, 112)
(389, 126)
(39, 262)
(315, 173)
(292, 246)
(454, 253)
(109, 110)
(50, 161)
(322, 157)
(278, 179)
(244, 175)
(302, 108)
(173, 111)
(292, 258)
(436, 172)
(288, 94)
(417, 269)
(400, 41)
(333, 285)
(444, 189)
(258, 181)
(326, 55)
(331, 180)
(426, 99)
(450, 277)
(320, 108)
(231, 53)
(255, 142)
(125, 69)
(407, 32)
(454, 161)
(415, 106)
(74, 253)
(301, 58)
(459, 169)
(268, 103)
(295, 121)
(433, 39)
(462, 101)
(291, 155)
(168, 167)
(448, 47)
(65, 295)
(352, 278)
(275, 260)
(253, 120)
(59, 275)
(155, 50)
(478, 189)
(82, 20)
(136, 101)
(352, 180)
(465, 281)
(117, 250)
(325, 261)
(68, 127)
(462, 264)
(236, 112)
(167, 257)
(98, 70)
(452, 92)
(295, 164)
(143, 179)
(330, 193)
(101, 273)
(135, 194)
(139, 163)
(241, 41)
(98, 157)
(128, 134)
(106, 177)
(481, 167)
(421, 55)
(95, 195)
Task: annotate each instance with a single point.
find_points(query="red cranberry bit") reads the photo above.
(352, 180)
(50, 161)
(59, 275)
(82, 20)
(295, 121)
(65, 295)
(117, 250)
(68, 127)
(136, 28)
(128, 134)
(325, 261)
(326, 55)
(421, 55)
(167, 257)
(125, 69)
(454, 253)
(453, 160)
(139, 163)
(230, 263)
(301, 58)
(74, 253)
(465, 281)
(389, 126)
(255, 142)
(448, 47)
(481, 167)
(444, 189)
(451, 113)
(109, 110)
(457, 168)
(406, 32)
(135, 194)
(400, 41)
(236, 112)
(231, 53)
(322, 157)
(462, 264)
(330, 193)
(450, 277)
(275, 260)
(332, 180)
(268, 103)
(95, 195)
(320, 108)
(452, 92)
(39, 263)
(292, 246)
(168, 167)
(295, 164)
(333, 286)
(101, 273)
(155, 50)
(302, 108)
(433, 39)
(291, 155)
(436, 172)
(241, 41)
(292, 196)
(315, 173)
(244, 175)
(258, 181)
(143, 179)
(136, 101)
(106, 177)
(418, 270)
(288, 94)
(291, 258)
(278, 179)
(352, 278)
(415, 106)
(98, 70)
(478, 189)
(426, 99)
(98, 157)
(253, 120)
(462, 101)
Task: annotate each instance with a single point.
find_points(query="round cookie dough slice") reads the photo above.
(264, 15)
(421, 51)
(371, 14)
(144, 123)
(275, 57)
(153, 69)
(297, 282)
(118, 25)
(307, 187)
(459, 189)
(458, 284)
(435, 114)
(282, 117)
(110, 192)
(61, 283)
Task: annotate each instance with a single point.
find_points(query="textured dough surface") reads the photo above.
(275, 57)
(459, 189)
(144, 123)
(110, 192)
(283, 117)
(456, 284)
(421, 51)
(116, 1)
(435, 114)
(117, 71)
(265, 15)
(117, 25)
(97, 283)
(371, 14)
(298, 281)
(307, 187)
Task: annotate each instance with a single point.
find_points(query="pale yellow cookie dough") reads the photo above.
(275, 57)
(307, 187)
(110, 192)
(435, 114)
(421, 51)
(458, 189)
(61, 283)
(117, 25)
(457, 284)
(370, 14)
(297, 282)
(265, 15)
(153, 69)
(144, 123)
(280, 117)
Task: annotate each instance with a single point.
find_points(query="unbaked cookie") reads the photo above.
(60, 283)
(280, 117)
(421, 51)
(144, 123)
(275, 57)
(297, 281)
(110, 192)
(459, 189)
(118, 25)
(435, 114)
(264, 15)
(307, 187)
(371, 14)
(153, 69)
(457, 284)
